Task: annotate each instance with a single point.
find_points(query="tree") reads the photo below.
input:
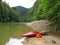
(7, 13)
(47, 10)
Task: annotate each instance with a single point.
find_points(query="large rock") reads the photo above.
(45, 40)
(39, 25)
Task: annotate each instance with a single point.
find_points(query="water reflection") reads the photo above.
(15, 41)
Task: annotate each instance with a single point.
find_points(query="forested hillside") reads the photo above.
(41, 10)
(22, 10)
(7, 14)
(46, 10)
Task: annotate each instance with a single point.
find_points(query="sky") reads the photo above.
(24, 3)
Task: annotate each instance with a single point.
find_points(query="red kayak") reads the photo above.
(31, 34)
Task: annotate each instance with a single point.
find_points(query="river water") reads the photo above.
(15, 41)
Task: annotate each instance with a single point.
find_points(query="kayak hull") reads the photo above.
(31, 34)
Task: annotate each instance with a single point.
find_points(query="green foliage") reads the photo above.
(22, 13)
(7, 13)
(54, 14)
(47, 10)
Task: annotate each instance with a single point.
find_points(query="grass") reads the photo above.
(8, 30)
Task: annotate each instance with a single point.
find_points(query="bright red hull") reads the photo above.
(31, 34)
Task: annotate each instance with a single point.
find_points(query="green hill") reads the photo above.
(22, 10)
(46, 10)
